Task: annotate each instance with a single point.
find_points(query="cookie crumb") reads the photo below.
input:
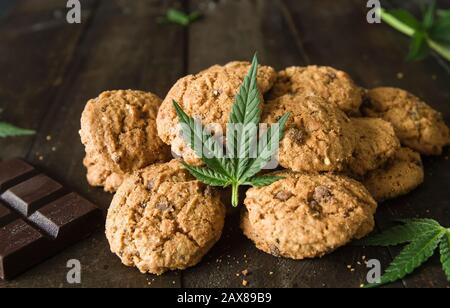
(244, 283)
(245, 272)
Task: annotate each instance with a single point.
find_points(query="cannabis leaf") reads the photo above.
(239, 167)
(423, 236)
(9, 130)
(433, 32)
(181, 18)
(445, 253)
(406, 233)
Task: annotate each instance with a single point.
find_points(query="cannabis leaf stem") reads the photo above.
(433, 32)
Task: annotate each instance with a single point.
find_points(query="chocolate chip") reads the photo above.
(297, 135)
(322, 193)
(283, 195)
(314, 208)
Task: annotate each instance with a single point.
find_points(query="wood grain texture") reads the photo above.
(53, 68)
(36, 48)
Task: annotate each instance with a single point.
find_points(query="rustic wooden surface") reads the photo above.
(50, 69)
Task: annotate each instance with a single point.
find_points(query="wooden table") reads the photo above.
(50, 68)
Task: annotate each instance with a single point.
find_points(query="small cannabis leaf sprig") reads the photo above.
(433, 32)
(181, 18)
(237, 168)
(9, 130)
(423, 237)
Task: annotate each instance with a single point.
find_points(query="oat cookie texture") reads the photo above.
(335, 86)
(318, 136)
(376, 142)
(399, 176)
(307, 216)
(100, 176)
(417, 125)
(162, 219)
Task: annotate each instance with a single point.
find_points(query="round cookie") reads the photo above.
(401, 175)
(119, 128)
(307, 216)
(335, 86)
(376, 142)
(417, 125)
(209, 96)
(162, 219)
(100, 176)
(317, 135)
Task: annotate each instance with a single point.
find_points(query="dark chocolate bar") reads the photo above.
(38, 217)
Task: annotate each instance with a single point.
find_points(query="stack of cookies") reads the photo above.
(345, 148)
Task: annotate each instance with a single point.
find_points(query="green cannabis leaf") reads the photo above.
(423, 236)
(445, 253)
(239, 167)
(432, 33)
(181, 18)
(9, 130)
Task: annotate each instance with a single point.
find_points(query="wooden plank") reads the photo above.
(234, 30)
(36, 47)
(124, 48)
(374, 56)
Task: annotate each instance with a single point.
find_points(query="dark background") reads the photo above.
(49, 69)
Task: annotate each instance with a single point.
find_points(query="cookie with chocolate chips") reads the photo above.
(208, 96)
(307, 216)
(399, 176)
(119, 129)
(335, 86)
(162, 219)
(417, 125)
(318, 136)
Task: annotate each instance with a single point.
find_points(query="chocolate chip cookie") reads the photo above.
(417, 125)
(335, 86)
(318, 136)
(208, 96)
(119, 128)
(162, 219)
(376, 142)
(399, 176)
(307, 216)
